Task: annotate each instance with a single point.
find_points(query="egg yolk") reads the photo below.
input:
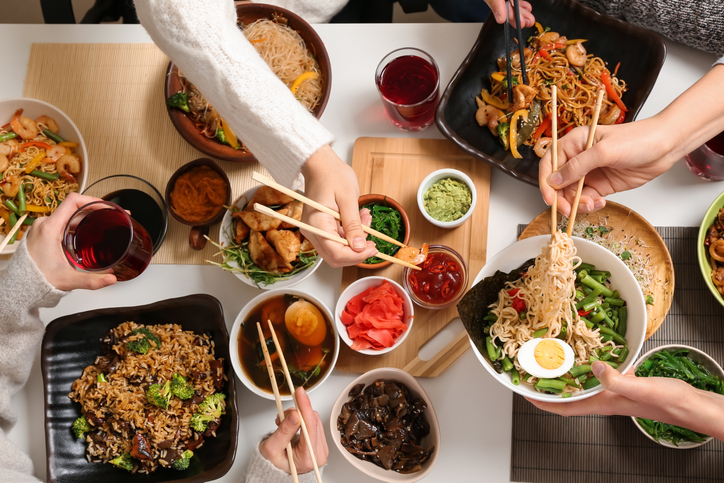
(305, 323)
(549, 355)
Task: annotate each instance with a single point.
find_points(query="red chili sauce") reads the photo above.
(439, 281)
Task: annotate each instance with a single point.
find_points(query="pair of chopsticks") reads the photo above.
(277, 397)
(554, 157)
(519, 35)
(11, 233)
(268, 211)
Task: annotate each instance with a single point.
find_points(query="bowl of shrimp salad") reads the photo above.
(43, 158)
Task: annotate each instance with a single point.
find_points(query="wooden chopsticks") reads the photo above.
(329, 236)
(11, 233)
(277, 397)
(288, 377)
(554, 156)
(589, 143)
(318, 206)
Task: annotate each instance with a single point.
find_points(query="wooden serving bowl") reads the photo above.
(383, 199)
(248, 13)
(196, 237)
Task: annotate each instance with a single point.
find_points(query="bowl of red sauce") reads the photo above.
(442, 280)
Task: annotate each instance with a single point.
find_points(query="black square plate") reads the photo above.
(71, 343)
(641, 53)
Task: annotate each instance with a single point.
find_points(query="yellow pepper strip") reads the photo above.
(69, 144)
(298, 81)
(37, 209)
(35, 161)
(498, 76)
(230, 136)
(539, 27)
(574, 41)
(493, 101)
(523, 113)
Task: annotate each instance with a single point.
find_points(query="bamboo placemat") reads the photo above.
(114, 94)
(547, 447)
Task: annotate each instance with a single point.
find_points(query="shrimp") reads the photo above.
(412, 254)
(56, 152)
(610, 115)
(542, 145)
(576, 54)
(48, 122)
(548, 37)
(11, 187)
(4, 163)
(9, 147)
(23, 126)
(68, 165)
(485, 113)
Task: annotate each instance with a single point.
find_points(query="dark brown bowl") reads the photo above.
(71, 343)
(196, 237)
(641, 53)
(383, 199)
(248, 13)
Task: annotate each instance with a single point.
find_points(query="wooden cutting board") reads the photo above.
(396, 167)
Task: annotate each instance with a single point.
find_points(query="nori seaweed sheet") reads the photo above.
(473, 307)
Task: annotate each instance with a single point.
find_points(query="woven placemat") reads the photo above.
(114, 94)
(548, 447)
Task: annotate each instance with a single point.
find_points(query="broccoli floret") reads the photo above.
(146, 343)
(81, 426)
(183, 463)
(200, 421)
(124, 461)
(179, 100)
(101, 378)
(159, 395)
(503, 132)
(180, 388)
(222, 137)
(212, 405)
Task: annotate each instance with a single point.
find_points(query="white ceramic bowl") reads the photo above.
(226, 229)
(436, 176)
(432, 439)
(236, 329)
(622, 279)
(360, 286)
(34, 108)
(696, 355)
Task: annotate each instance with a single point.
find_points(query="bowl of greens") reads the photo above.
(390, 218)
(692, 366)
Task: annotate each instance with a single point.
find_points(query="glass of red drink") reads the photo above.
(707, 161)
(101, 236)
(409, 83)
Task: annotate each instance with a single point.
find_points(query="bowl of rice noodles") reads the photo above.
(548, 267)
(294, 52)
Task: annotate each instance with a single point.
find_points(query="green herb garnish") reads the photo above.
(649, 300)
(625, 255)
(387, 220)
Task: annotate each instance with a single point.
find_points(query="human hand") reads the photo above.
(45, 248)
(498, 8)
(274, 447)
(333, 183)
(623, 157)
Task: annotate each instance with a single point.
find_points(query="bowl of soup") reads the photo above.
(305, 330)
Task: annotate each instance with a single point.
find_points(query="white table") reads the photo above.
(469, 403)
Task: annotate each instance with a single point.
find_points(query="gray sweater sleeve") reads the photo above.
(23, 290)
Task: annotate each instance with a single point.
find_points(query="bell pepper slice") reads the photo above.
(37, 209)
(539, 27)
(522, 113)
(543, 127)
(230, 136)
(621, 117)
(35, 162)
(39, 144)
(298, 81)
(498, 76)
(606, 79)
(493, 101)
(575, 41)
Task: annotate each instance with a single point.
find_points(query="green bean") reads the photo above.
(507, 364)
(599, 279)
(587, 289)
(593, 359)
(53, 136)
(583, 274)
(591, 382)
(44, 175)
(606, 338)
(12, 207)
(582, 379)
(570, 382)
(21, 199)
(580, 295)
(549, 389)
(540, 332)
(607, 320)
(590, 306)
(515, 376)
(566, 394)
(580, 370)
(6, 136)
(598, 316)
(523, 315)
(13, 221)
(588, 323)
(615, 335)
(605, 291)
(562, 334)
(585, 266)
(548, 384)
(605, 307)
(28, 221)
(606, 348)
(606, 356)
(612, 364)
(614, 301)
(605, 273)
(622, 316)
(492, 354)
(616, 295)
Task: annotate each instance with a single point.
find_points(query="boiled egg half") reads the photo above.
(546, 358)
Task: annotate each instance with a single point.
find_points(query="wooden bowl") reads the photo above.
(196, 237)
(248, 13)
(383, 199)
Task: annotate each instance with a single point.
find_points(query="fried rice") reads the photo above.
(118, 411)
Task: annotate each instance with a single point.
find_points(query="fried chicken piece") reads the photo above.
(294, 210)
(264, 256)
(269, 196)
(285, 242)
(261, 222)
(242, 231)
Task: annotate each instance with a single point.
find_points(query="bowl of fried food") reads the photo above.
(263, 251)
(294, 52)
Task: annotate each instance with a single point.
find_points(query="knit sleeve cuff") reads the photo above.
(28, 282)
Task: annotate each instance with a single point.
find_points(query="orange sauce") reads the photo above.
(198, 194)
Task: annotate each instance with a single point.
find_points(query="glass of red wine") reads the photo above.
(408, 81)
(707, 161)
(102, 236)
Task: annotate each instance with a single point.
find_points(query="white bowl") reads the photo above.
(226, 228)
(360, 286)
(236, 329)
(33, 108)
(622, 279)
(432, 439)
(696, 355)
(436, 176)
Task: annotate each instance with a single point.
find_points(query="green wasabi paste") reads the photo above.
(448, 199)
